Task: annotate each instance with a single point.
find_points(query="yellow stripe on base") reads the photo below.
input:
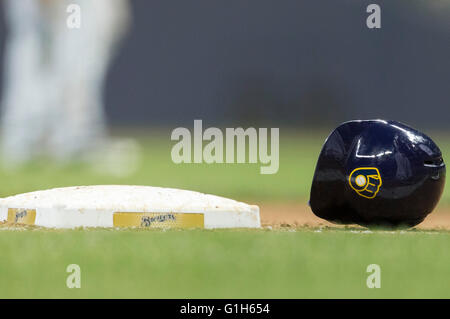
(21, 216)
(159, 220)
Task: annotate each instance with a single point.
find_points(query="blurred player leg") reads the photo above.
(24, 109)
(82, 57)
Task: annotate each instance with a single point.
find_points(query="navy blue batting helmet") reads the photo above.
(377, 173)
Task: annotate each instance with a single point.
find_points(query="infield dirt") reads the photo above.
(300, 215)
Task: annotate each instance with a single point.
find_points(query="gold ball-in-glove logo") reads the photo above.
(365, 181)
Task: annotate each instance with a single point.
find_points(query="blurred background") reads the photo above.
(97, 105)
(303, 66)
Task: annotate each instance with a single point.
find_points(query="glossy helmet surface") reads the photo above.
(377, 173)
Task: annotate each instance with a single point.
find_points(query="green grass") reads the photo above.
(298, 155)
(223, 264)
(300, 263)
